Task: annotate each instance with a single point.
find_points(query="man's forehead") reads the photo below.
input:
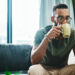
(62, 12)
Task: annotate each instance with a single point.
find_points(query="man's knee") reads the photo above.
(68, 70)
(37, 70)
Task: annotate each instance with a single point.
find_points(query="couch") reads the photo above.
(15, 57)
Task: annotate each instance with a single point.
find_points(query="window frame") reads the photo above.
(9, 21)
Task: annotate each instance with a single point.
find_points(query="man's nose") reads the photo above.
(65, 21)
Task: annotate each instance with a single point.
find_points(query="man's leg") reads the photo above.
(67, 70)
(42, 70)
(37, 70)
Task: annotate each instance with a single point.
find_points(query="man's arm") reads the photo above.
(38, 52)
(74, 51)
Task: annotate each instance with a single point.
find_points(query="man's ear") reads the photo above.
(52, 18)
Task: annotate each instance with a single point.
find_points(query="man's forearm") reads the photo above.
(39, 53)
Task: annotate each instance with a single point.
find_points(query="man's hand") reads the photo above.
(54, 32)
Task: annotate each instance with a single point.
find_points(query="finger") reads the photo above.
(58, 31)
(59, 27)
(57, 34)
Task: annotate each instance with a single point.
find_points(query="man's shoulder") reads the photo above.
(40, 34)
(45, 29)
(42, 31)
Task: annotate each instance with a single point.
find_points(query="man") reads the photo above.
(50, 53)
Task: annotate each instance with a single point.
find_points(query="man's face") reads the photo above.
(61, 16)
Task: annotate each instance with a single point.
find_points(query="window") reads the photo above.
(3, 21)
(25, 20)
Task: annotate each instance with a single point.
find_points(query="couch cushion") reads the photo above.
(15, 57)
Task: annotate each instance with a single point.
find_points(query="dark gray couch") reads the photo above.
(14, 57)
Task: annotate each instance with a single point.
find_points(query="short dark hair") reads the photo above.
(59, 6)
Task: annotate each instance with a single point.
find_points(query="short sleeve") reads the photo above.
(38, 37)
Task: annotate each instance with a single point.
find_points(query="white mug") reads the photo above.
(66, 30)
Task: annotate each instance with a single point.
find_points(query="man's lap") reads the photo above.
(67, 70)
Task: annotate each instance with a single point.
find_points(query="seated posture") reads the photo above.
(52, 46)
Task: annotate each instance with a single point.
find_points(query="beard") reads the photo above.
(55, 23)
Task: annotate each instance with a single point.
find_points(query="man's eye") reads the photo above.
(60, 18)
(67, 18)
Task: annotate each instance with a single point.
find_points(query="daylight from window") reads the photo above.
(3, 21)
(25, 20)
